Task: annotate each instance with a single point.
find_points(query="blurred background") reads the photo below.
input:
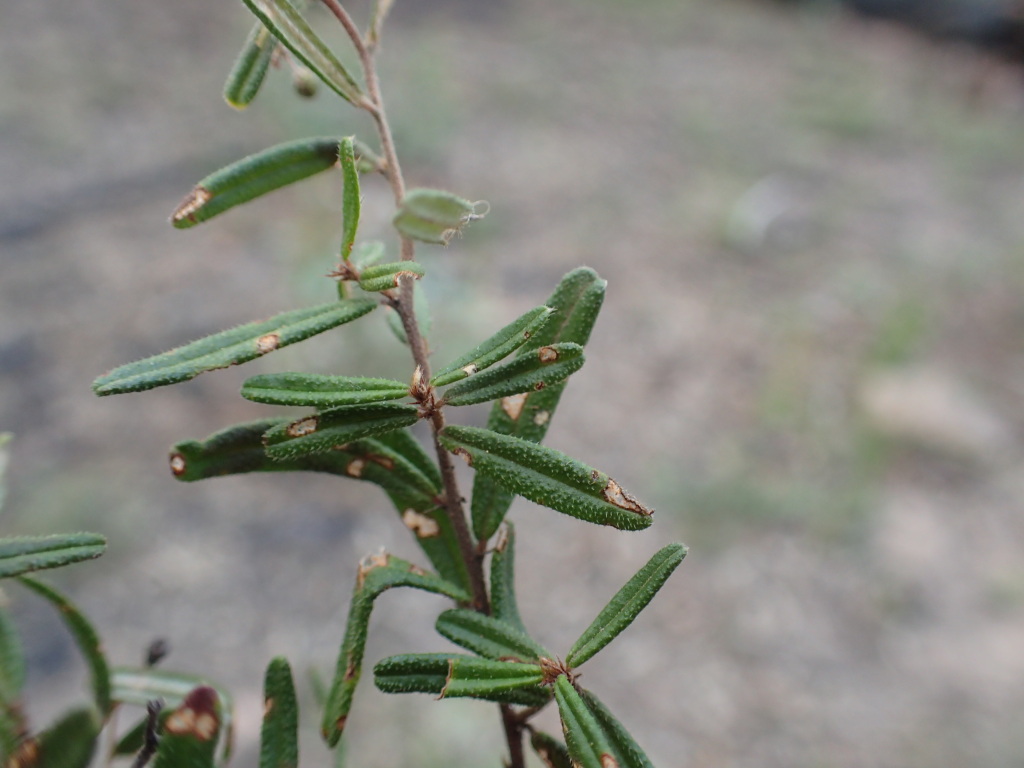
(810, 358)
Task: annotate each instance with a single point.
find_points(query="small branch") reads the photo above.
(514, 737)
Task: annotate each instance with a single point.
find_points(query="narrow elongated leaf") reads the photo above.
(432, 215)
(189, 735)
(627, 604)
(232, 347)
(312, 389)
(395, 461)
(527, 373)
(588, 746)
(503, 588)
(334, 428)
(255, 176)
(456, 675)
(288, 26)
(486, 678)
(624, 747)
(12, 680)
(68, 743)
(550, 750)
(85, 637)
(279, 737)
(383, 277)
(250, 68)
(350, 200)
(575, 305)
(548, 477)
(23, 554)
(376, 575)
(497, 347)
(489, 637)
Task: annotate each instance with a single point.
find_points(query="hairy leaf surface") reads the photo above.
(376, 575)
(23, 554)
(547, 477)
(627, 604)
(255, 176)
(232, 347)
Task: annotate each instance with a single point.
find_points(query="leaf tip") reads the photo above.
(184, 215)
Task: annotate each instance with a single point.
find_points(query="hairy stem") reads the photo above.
(471, 554)
(404, 307)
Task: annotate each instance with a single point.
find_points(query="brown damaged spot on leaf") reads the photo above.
(26, 756)
(607, 761)
(424, 526)
(540, 418)
(405, 272)
(470, 369)
(355, 467)
(617, 495)
(463, 454)
(415, 569)
(188, 207)
(351, 669)
(268, 706)
(447, 679)
(302, 427)
(385, 461)
(539, 386)
(368, 563)
(178, 464)
(197, 715)
(339, 724)
(513, 405)
(267, 343)
(547, 354)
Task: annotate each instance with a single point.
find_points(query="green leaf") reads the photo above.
(23, 554)
(254, 176)
(585, 738)
(547, 477)
(85, 637)
(624, 747)
(350, 199)
(189, 736)
(232, 347)
(503, 592)
(250, 68)
(312, 389)
(279, 737)
(336, 427)
(575, 305)
(627, 604)
(68, 743)
(545, 367)
(12, 681)
(550, 750)
(488, 636)
(456, 675)
(376, 575)
(288, 26)
(135, 686)
(433, 216)
(383, 277)
(497, 347)
(420, 308)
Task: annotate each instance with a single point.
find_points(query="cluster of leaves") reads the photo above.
(360, 428)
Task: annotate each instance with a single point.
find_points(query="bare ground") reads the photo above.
(808, 361)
